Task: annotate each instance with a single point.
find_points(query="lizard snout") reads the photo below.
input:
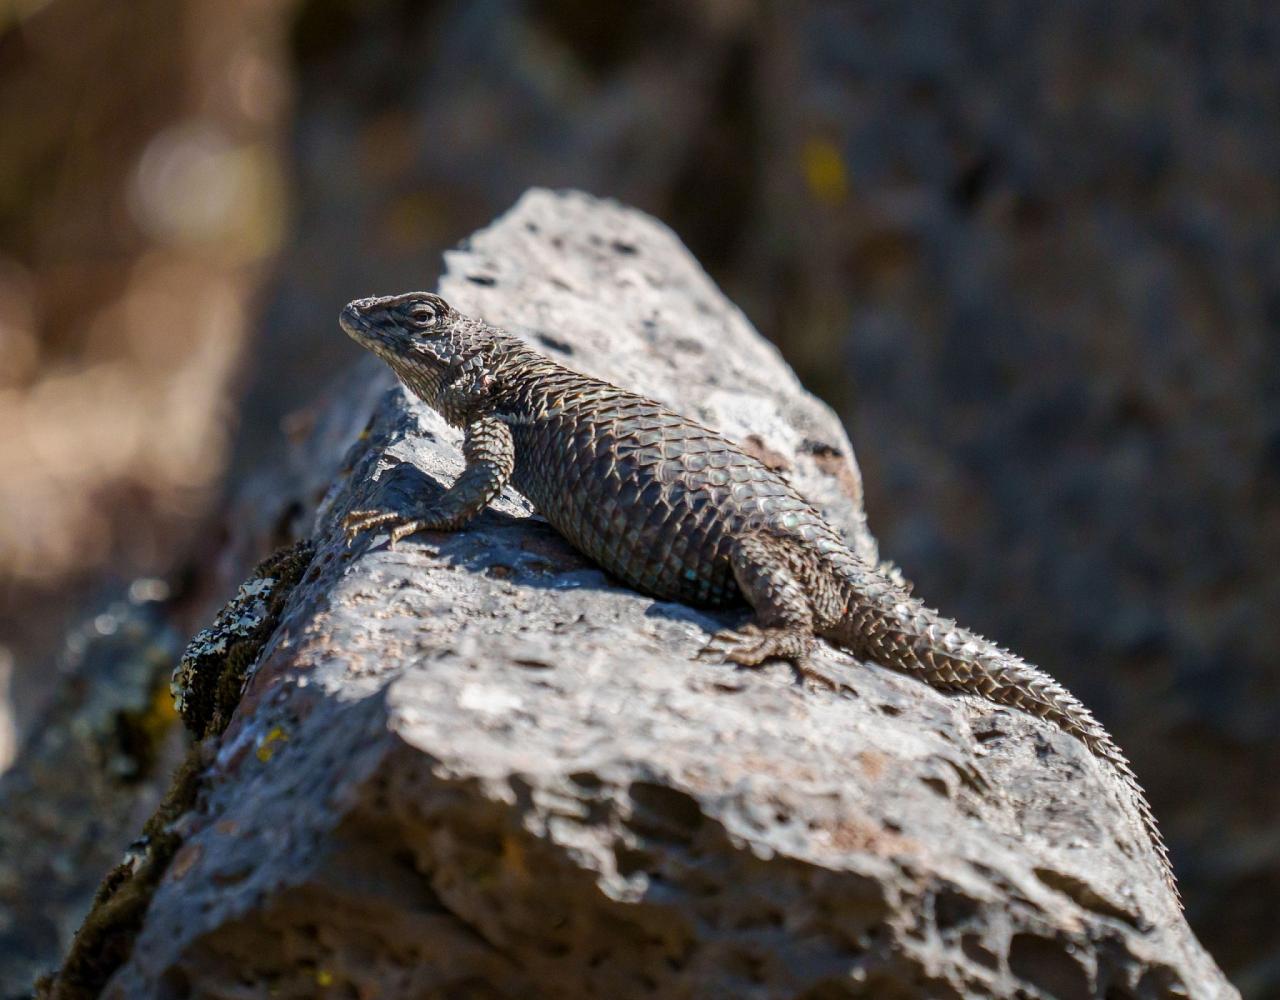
(352, 320)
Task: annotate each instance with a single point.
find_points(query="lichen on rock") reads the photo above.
(208, 679)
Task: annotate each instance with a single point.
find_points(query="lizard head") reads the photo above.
(417, 333)
(442, 355)
(415, 328)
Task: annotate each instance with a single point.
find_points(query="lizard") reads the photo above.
(678, 511)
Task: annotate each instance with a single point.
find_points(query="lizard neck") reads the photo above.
(492, 378)
(517, 376)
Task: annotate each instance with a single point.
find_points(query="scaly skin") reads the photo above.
(680, 512)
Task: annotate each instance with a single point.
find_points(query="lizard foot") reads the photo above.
(752, 645)
(358, 522)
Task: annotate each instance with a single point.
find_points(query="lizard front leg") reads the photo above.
(490, 456)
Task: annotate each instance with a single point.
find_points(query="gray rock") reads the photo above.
(475, 766)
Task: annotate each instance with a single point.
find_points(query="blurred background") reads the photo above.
(1031, 254)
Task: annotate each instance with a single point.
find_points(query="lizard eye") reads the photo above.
(424, 314)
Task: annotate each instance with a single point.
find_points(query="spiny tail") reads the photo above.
(886, 624)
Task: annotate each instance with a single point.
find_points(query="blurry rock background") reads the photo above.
(1031, 254)
(141, 193)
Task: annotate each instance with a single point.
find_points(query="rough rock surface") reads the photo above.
(474, 766)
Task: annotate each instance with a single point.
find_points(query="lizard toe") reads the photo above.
(358, 522)
(808, 670)
(403, 530)
(731, 645)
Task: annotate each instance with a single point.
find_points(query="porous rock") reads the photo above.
(476, 766)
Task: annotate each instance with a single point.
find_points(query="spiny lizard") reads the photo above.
(680, 512)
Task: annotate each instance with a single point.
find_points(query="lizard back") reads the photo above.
(652, 496)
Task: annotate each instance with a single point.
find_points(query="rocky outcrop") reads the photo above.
(476, 766)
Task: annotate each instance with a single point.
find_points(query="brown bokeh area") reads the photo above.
(1031, 256)
(140, 195)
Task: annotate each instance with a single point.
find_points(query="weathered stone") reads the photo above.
(475, 766)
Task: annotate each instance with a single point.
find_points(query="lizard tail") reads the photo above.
(884, 623)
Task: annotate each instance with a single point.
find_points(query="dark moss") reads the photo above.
(106, 937)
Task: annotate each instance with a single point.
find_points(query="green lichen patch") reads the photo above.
(209, 678)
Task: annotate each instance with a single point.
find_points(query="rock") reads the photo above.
(475, 766)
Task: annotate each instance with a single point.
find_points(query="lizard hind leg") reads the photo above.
(763, 566)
